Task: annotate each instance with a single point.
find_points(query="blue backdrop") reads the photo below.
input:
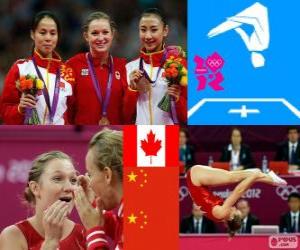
(278, 79)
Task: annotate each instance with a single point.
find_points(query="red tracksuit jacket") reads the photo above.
(86, 108)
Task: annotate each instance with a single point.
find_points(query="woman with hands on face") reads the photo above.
(51, 182)
(104, 164)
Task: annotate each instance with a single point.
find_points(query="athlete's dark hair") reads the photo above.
(157, 12)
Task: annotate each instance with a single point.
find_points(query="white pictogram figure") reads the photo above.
(257, 16)
(243, 111)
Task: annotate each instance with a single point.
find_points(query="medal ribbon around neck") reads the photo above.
(96, 84)
(141, 67)
(52, 108)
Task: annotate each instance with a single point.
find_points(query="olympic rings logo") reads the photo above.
(183, 192)
(284, 192)
(214, 62)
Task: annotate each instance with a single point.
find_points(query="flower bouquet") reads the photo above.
(30, 84)
(174, 72)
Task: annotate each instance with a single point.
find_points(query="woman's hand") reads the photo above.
(53, 220)
(26, 101)
(89, 216)
(134, 77)
(84, 182)
(174, 91)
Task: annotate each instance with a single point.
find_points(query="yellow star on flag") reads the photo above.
(144, 223)
(132, 219)
(144, 181)
(132, 177)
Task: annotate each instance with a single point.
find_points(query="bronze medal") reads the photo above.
(143, 85)
(104, 121)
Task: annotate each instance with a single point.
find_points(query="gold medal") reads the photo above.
(104, 121)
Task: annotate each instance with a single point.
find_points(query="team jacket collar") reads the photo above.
(153, 58)
(98, 62)
(50, 63)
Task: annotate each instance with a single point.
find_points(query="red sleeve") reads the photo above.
(71, 100)
(181, 106)
(130, 98)
(11, 98)
(110, 225)
(96, 239)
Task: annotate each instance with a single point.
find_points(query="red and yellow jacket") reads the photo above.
(147, 111)
(48, 67)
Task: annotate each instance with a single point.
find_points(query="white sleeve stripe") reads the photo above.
(93, 233)
(120, 212)
(96, 240)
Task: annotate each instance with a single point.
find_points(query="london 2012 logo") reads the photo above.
(208, 71)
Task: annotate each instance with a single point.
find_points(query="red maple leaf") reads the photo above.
(152, 146)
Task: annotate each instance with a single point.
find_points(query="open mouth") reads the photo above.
(66, 199)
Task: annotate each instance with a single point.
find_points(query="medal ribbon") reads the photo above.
(96, 84)
(52, 108)
(141, 67)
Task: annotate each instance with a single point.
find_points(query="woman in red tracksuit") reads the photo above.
(104, 164)
(51, 182)
(101, 92)
(45, 64)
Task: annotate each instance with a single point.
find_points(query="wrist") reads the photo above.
(132, 89)
(132, 86)
(20, 110)
(50, 243)
(175, 98)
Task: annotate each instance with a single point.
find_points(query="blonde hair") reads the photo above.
(96, 16)
(108, 150)
(38, 168)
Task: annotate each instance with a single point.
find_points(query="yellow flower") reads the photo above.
(183, 81)
(169, 61)
(39, 84)
(184, 71)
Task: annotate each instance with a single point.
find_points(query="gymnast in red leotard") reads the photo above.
(200, 177)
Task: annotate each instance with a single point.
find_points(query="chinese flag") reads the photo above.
(151, 206)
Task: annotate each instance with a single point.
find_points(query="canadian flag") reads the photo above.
(150, 157)
(151, 146)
